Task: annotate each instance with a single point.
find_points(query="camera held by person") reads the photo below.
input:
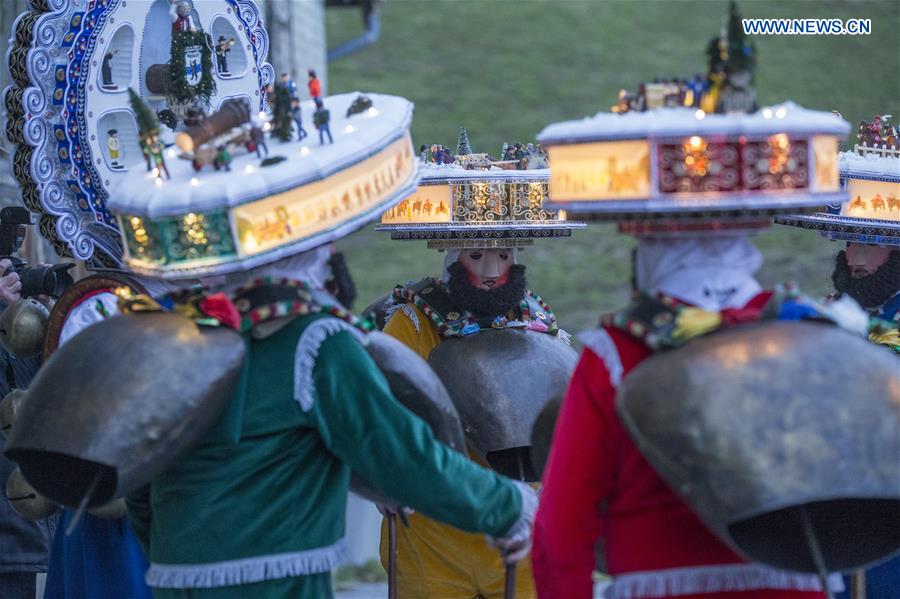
(49, 280)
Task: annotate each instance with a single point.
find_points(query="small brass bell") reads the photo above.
(111, 510)
(9, 407)
(22, 327)
(25, 501)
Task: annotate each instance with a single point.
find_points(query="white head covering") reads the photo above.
(710, 272)
(310, 267)
(452, 256)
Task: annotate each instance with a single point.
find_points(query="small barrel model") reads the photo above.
(233, 113)
(157, 77)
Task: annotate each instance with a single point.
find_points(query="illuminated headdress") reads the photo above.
(871, 214)
(457, 207)
(73, 65)
(681, 170)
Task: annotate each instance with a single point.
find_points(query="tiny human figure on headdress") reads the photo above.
(180, 11)
(115, 152)
(314, 85)
(154, 151)
(321, 119)
(106, 70)
(258, 137)
(297, 115)
(290, 85)
(223, 158)
(223, 47)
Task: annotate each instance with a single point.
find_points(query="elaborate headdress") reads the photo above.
(871, 213)
(681, 170)
(111, 212)
(457, 207)
(61, 104)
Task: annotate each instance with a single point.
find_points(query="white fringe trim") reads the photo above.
(308, 350)
(247, 571)
(389, 312)
(675, 582)
(410, 313)
(599, 342)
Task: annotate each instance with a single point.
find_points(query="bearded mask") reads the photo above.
(872, 290)
(495, 300)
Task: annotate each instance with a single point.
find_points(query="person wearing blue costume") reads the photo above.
(101, 557)
(870, 274)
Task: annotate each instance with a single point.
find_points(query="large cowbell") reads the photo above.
(119, 402)
(500, 380)
(416, 387)
(780, 436)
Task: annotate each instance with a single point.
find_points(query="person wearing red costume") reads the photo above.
(597, 484)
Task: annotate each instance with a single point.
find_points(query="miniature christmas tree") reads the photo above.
(462, 145)
(741, 52)
(281, 113)
(148, 124)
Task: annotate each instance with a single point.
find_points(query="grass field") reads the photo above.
(505, 69)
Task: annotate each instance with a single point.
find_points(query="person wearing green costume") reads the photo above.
(256, 508)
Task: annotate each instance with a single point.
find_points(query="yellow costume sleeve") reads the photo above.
(420, 336)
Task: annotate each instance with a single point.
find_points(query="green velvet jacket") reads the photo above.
(260, 503)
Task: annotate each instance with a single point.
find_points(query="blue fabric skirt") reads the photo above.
(101, 559)
(882, 581)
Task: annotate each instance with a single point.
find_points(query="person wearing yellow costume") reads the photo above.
(481, 288)
(485, 334)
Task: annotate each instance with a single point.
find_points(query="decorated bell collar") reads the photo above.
(673, 169)
(456, 207)
(871, 213)
(220, 221)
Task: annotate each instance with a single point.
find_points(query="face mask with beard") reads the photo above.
(870, 291)
(494, 302)
(341, 285)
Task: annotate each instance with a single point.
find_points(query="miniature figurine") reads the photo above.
(297, 115)
(258, 137)
(180, 11)
(315, 86)
(321, 118)
(290, 85)
(154, 153)
(112, 144)
(106, 71)
(223, 47)
(168, 118)
(223, 158)
(360, 104)
(280, 100)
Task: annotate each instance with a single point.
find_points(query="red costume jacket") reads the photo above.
(597, 485)
(315, 88)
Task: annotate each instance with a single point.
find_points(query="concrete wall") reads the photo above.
(297, 39)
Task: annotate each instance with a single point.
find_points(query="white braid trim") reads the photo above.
(248, 570)
(697, 580)
(308, 350)
(599, 342)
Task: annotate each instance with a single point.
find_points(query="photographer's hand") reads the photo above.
(10, 285)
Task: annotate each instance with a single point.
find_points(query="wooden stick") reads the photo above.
(392, 555)
(858, 585)
(509, 585)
